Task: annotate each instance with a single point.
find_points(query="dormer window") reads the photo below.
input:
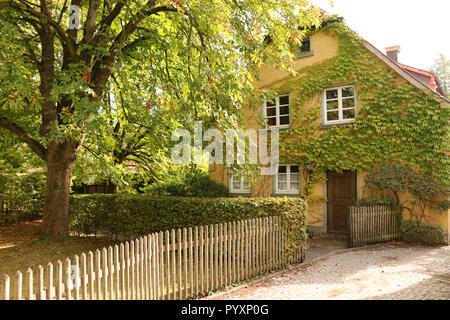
(277, 112)
(306, 45)
(305, 49)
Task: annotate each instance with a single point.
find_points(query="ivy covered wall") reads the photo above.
(396, 121)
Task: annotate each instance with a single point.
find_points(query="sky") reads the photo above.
(420, 27)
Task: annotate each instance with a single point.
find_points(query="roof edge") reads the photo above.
(403, 73)
(421, 71)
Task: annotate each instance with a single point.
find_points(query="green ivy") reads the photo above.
(396, 121)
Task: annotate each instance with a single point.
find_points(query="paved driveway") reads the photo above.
(395, 271)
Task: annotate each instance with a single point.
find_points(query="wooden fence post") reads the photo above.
(6, 287)
(369, 225)
(177, 264)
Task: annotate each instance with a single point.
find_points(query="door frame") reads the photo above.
(325, 192)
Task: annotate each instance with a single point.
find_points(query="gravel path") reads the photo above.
(395, 271)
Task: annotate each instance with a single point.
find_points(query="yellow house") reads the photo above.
(344, 89)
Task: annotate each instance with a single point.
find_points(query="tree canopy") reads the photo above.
(129, 70)
(441, 68)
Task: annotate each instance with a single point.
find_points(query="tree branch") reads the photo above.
(34, 145)
(102, 68)
(109, 19)
(44, 18)
(132, 25)
(89, 24)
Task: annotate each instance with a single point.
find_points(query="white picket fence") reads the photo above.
(176, 264)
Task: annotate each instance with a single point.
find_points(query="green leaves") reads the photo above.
(137, 215)
(21, 196)
(193, 56)
(441, 69)
(399, 178)
(395, 121)
(416, 232)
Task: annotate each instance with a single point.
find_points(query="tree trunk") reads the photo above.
(60, 162)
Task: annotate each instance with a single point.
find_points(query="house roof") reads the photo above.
(426, 77)
(421, 79)
(408, 72)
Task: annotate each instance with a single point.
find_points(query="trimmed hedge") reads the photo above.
(416, 232)
(369, 202)
(136, 215)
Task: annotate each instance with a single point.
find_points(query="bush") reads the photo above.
(416, 232)
(370, 202)
(185, 181)
(21, 197)
(136, 215)
(399, 178)
(192, 186)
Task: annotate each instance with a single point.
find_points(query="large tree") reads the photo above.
(441, 68)
(57, 67)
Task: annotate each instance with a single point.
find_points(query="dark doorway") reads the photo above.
(341, 195)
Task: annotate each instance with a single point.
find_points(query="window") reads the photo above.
(239, 184)
(305, 48)
(306, 45)
(277, 112)
(287, 179)
(339, 105)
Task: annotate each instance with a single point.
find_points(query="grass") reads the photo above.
(21, 248)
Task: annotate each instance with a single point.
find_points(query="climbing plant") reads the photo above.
(425, 192)
(395, 121)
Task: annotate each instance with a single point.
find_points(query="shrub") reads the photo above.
(195, 186)
(369, 202)
(187, 181)
(136, 215)
(416, 232)
(398, 178)
(21, 197)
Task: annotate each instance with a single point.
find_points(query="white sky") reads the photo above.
(420, 27)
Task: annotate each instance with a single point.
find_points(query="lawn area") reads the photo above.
(21, 248)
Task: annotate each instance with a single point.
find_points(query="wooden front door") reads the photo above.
(341, 195)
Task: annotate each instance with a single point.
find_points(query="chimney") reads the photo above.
(392, 52)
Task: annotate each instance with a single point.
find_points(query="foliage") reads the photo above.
(65, 88)
(187, 181)
(392, 177)
(398, 178)
(441, 69)
(21, 196)
(15, 155)
(137, 215)
(395, 121)
(416, 232)
(370, 202)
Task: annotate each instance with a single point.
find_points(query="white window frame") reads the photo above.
(241, 190)
(340, 109)
(288, 180)
(277, 114)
